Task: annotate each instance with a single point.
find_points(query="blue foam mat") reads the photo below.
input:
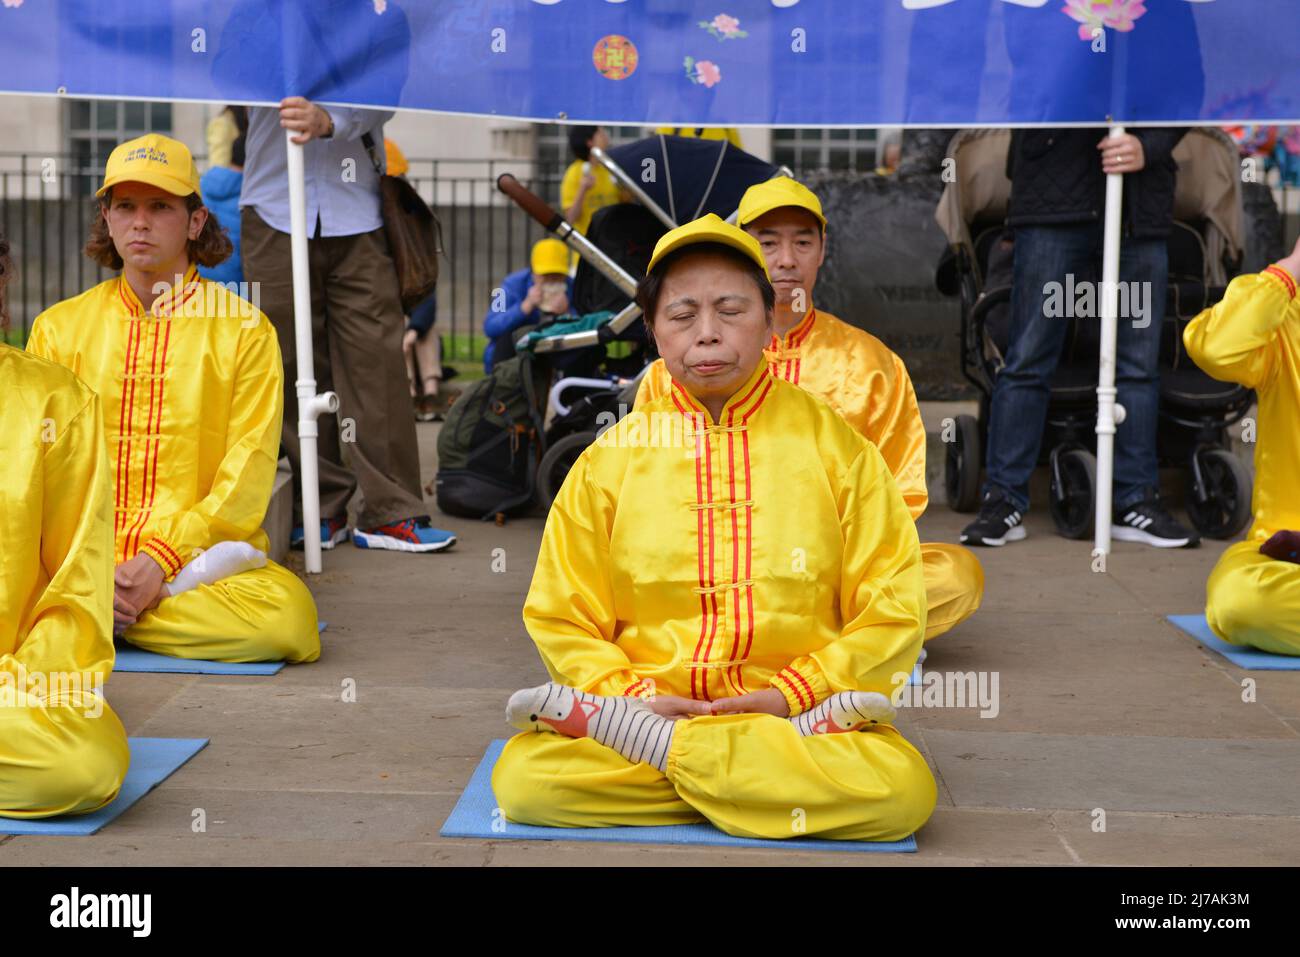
(153, 760)
(1252, 659)
(138, 661)
(476, 815)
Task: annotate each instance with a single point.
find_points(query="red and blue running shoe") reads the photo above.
(332, 531)
(409, 535)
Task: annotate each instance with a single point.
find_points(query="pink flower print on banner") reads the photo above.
(1119, 15)
(724, 26)
(13, 3)
(704, 72)
(724, 23)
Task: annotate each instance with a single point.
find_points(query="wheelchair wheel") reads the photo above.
(557, 461)
(1221, 507)
(1074, 492)
(961, 465)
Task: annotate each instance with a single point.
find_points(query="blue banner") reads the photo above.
(682, 62)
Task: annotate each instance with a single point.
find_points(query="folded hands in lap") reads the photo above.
(137, 587)
(768, 701)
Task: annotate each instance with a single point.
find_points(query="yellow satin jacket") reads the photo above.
(861, 379)
(192, 400)
(706, 559)
(1252, 336)
(56, 568)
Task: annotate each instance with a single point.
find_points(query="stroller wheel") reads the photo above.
(1074, 492)
(961, 465)
(1218, 495)
(557, 461)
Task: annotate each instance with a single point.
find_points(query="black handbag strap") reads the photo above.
(368, 142)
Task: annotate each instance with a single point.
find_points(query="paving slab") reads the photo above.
(1180, 840)
(1052, 771)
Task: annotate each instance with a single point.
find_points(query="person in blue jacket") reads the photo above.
(220, 189)
(527, 297)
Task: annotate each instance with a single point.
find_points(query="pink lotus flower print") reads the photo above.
(704, 72)
(724, 26)
(1119, 15)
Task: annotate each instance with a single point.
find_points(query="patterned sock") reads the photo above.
(846, 711)
(627, 725)
(220, 561)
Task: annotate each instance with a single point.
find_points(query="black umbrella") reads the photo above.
(688, 177)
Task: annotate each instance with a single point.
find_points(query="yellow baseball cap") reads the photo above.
(708, 229)
(550, 256)
(154, 159)
(782, 191)
(395, 161)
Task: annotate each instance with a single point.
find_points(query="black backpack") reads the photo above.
(491, 443)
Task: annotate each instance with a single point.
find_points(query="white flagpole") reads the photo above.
(1109, 412)
(310, 405)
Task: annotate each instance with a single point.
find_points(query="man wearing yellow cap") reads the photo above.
(850, 369)
(527, 297)
(190, 381)
(1252, 336)
(715, 654)
(62, 749)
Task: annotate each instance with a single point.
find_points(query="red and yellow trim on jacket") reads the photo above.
(122, 481)
(783, 356)
(641, 688)
(746, 412)
(1280, 274)
(158, 334)
(735, 419)
(799, 694)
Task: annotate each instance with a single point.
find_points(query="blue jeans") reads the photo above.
(1018, 413)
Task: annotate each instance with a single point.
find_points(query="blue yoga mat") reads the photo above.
(137, 660)
(153, 760)
(1252, 659)
(475, 815)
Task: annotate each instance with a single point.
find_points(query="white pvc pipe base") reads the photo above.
(310, 404)
(1109, 413)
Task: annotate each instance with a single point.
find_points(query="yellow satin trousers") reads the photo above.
(63, 756)
(954, 585)
(264, 614)
(1251, 599)
(750, 775)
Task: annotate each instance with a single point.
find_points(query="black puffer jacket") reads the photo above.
(1056, 179)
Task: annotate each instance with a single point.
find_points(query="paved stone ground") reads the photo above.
(1102, 705)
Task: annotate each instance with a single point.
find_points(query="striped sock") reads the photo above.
(627, 725)
(846, 711)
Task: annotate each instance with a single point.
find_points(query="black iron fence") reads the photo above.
(47, 204)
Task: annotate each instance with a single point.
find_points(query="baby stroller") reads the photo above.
(677, 179)
(1205, 248)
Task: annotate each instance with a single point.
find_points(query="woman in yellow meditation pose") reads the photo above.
(852, 370)
(1252, 336)
(62, 750)
(724, 617)
(190, 379)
